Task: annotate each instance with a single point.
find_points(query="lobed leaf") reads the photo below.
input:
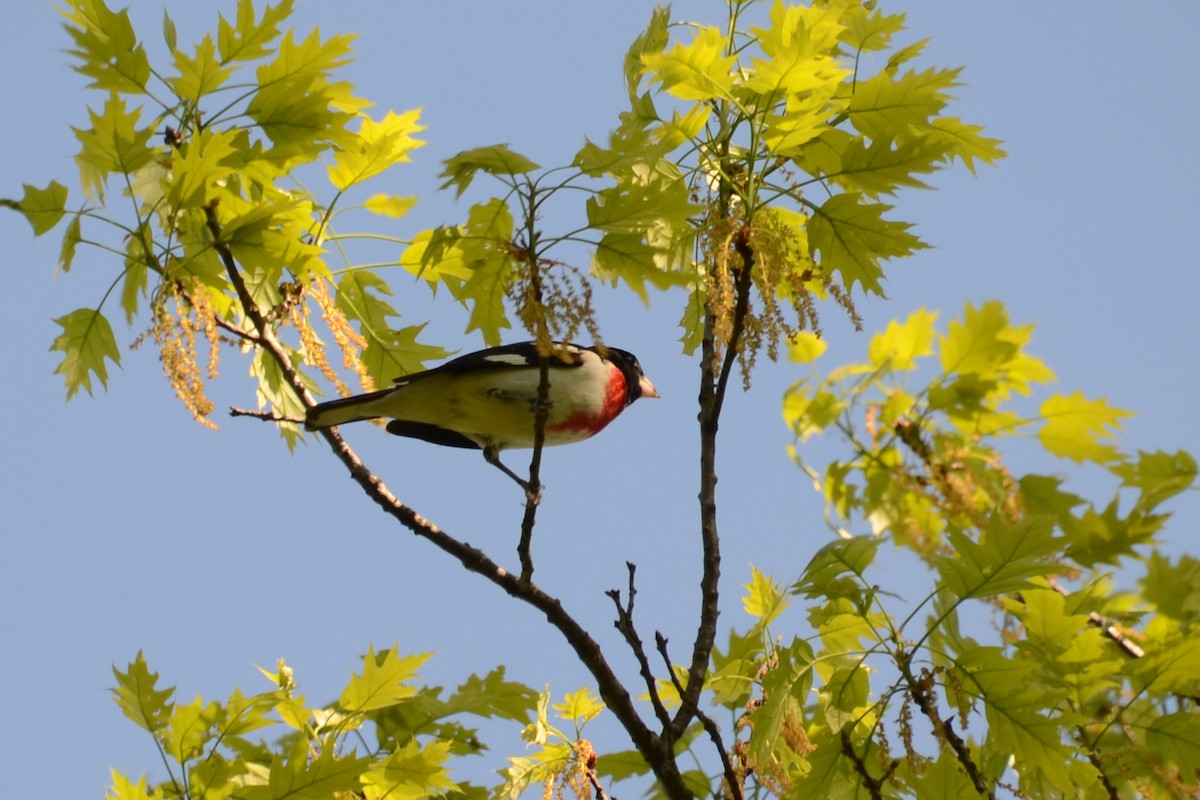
(200, 74)
(852, 237)
(498, 159)
(106, 47)
(113, 143)
(297, 776)
(900, 344)
(700, 70)
(763, 599)
(138, 697)
(412, 772)
(383, 681)
(1003, 560)
(250, 38)
(380, 146)
(86, 342)
(43, 208)
(884, 107)
(1076, 427)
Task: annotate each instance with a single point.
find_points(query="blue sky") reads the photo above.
(127, 526)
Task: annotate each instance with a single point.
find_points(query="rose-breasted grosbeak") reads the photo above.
(488, 400)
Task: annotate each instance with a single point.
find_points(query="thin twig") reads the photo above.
(873, 785)
(624, 623)
(584, 750)
(533, 490)
(541, 411)
(229, 327)
(943, 729)
(265, 416)
(710, 727)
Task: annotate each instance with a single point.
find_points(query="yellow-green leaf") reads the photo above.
(799, 47)
(112, 144)
(383, 681)
(837, 566)
(124, 789)
(497, 159)
(579, 707)
(412, 772)
(199, 74)
(106, 46)
(86, 341)
(435, 256)
(250, 38)
(885, 107)
(1076, 428)
(881, 166)
(389, 205)
(650, 41)
(1174, 588)
(806, 347)
(700, 70)
(965, 142)
(983, 343)
(1176, 739)
(71, 238)
(809, 414)
(1003, 560)
(138, 697)
(390, 353)
(869, 29)
(188, 729)
(170, 35)
(297, 775)
(485, 291)
(275, 393)
(763, 599)
(630, 258)
(379, 146)
(298, 105)
(199, 165)
(852, 237)
(902, 343)
(44, 208)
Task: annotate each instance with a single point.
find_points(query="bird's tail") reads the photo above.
(345, 409)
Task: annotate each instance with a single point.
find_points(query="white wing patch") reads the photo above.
(508, 358)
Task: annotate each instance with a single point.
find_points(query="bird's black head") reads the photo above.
(636, 383)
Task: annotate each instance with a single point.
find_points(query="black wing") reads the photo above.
(518, 354)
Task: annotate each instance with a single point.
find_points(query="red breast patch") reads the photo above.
(588, 423)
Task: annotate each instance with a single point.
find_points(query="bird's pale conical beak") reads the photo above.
(647, 388)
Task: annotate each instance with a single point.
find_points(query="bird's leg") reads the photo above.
(492, 456)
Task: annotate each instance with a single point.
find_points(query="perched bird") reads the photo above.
(488, 400)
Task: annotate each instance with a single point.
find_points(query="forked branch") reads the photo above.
(658, 754)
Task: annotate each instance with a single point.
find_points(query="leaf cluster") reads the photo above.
(1081, 690)
(789, 133)
(386, 735)
(212, 226)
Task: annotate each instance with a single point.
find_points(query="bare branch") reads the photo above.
(712, 398)
(265, 416)
(921, 691)
(533, 489)
(624, 623)
(873, 785)
(732, 779)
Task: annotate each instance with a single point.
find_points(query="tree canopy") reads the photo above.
(753, 176)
